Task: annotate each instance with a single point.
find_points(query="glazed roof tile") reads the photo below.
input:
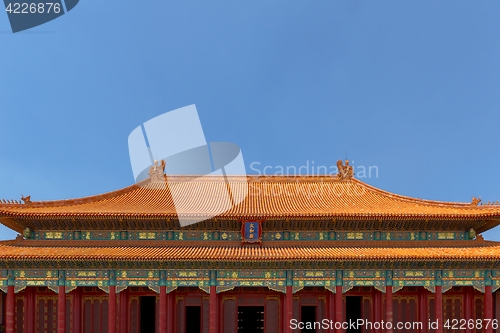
(268, 197)
(249, 253)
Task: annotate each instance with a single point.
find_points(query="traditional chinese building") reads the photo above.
(296, 250)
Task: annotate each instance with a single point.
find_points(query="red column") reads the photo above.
(439, 308)
(282, 313)
(388, 308)
(123, 311)
(29, 316)
(61, 310)
(214, 313)
(112, 310)
(496, 296)
(77, 311)
(288, 309)
(422, 307)
(376, 304)
(339, 306)
(163, 309)
(468, 307)
(488, 308)
(331, 311)
(9, 317)
(170, 312)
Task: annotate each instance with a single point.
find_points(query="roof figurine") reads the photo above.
(26, 200)
(157, 172)
(345, 171)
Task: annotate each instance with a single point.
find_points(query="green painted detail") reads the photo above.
(413, 283)
(413, 278)
(289, 278)
(313, 278)
(457, 275)
(35, 274)
(188, 278)
(339, 278)
(137, 274)
(274, 279)
(439, 278)
(191, 274)
(223, 235)
(87, 274)
(188, 283)
(355, 283)
(389, 275)
(212, 275)
(414, 274)
(87, 283)
(476, 278)
(250, 274)
(35, 283)
(364, 278)
(364, 274)
(163, 278)
(309, 283)
(488, 278)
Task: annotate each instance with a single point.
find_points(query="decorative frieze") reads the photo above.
(275, 279)
(228, 279)
(355, 278)
(234, 235)
(314, 278)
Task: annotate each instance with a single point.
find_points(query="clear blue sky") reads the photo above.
(411, 87)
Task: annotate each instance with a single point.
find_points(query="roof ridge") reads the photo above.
(413, 199)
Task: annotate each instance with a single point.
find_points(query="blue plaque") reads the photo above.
(251, 232)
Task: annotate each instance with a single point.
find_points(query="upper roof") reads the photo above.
(269, 197)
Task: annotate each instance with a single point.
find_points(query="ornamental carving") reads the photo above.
(157, 172)
(27, 199)
(475, 201)
(345, 171)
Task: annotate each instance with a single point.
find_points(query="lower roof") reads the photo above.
(480, 251)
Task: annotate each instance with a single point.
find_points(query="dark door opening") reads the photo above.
(308, 317)
(353, 311)
(193, 319)
(148, 310)
(250, 319)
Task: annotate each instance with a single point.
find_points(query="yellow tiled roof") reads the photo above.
(249, 253)
(268, 197)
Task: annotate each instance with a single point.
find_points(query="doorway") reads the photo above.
(148, 311)
(250, 319)
(308, 317)
(193, 319)
(353, 312)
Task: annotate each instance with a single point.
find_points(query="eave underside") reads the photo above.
(270, 223)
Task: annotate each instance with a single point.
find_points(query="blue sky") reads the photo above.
(409, 87)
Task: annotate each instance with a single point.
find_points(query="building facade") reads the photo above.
(299, 254)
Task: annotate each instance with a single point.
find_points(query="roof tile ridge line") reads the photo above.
(252, 177)
(82, 200)
(292, 177)
(416, 200)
